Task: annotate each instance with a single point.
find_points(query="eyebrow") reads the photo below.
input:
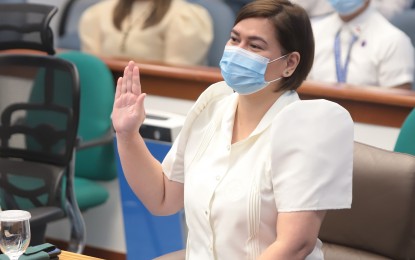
(251, 38)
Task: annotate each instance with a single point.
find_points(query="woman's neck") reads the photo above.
(249, 112)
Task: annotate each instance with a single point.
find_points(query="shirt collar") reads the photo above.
(229, 114)
(285, 99)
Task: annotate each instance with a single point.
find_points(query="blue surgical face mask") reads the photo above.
(347, 7)
(244, 71)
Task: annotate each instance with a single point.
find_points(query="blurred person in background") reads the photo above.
(320, 8)
(316, 9)
(358, 45)
(168, 31)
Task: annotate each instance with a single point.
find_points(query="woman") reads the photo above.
(169, 31)
(254, 167)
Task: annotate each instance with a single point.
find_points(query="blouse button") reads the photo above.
(206, 212)
(218, 178)
(228, 147)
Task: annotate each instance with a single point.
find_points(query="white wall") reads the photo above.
(379, 136)
(105, 224)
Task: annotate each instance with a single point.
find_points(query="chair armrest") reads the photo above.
(108, 137)
(43, 215)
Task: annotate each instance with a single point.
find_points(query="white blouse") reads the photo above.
(182, 37)
(298, 158)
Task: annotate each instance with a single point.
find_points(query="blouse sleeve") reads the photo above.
(189, 35)
(312, 157)
(89, 33)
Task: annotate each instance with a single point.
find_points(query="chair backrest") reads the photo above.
(405, 142)
(68, 37)
(97, 97)
(30, 111)
(381, 222)
(223, 19)
(26, 26)
(37, 131)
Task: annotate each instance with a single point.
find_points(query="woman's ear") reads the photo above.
(292, 62)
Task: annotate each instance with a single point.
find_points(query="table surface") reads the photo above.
(65, 255)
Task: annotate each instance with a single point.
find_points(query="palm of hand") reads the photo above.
(128, 111)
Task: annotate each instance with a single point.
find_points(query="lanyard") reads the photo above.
(340, 69)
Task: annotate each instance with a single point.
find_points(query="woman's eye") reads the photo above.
(254, 46)
(233, 39)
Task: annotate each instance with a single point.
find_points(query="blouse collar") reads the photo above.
(229, 114)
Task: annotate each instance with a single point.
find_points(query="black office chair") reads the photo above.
(26, 26)
(39, 114)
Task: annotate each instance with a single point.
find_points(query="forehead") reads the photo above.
(258, 27)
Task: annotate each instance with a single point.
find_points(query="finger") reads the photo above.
(130, 66)
(136, 88)
(124, 80)
(118, 88)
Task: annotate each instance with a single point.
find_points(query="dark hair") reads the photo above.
(292, 30)
(123, 9)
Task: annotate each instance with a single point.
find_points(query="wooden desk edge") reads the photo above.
(371, 105)
(66, 255)
(205, 76)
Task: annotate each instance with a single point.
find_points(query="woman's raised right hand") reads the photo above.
(128, 112)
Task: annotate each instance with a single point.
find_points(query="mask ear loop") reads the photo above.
(268, 82)
(279, 58)
(285, 73)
